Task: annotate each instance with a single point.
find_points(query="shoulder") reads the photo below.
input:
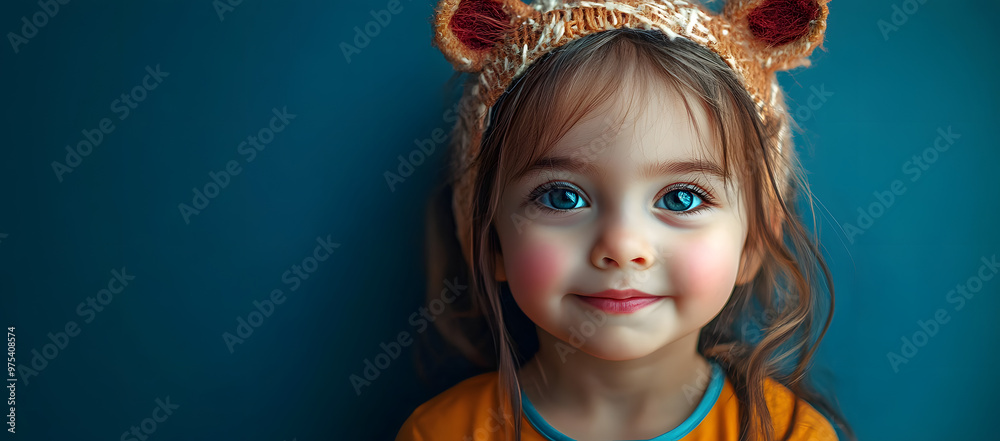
(456, 412)
(810, 424)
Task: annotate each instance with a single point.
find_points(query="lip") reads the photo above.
(615, 301)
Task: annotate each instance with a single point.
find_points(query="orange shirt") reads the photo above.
(470, 411)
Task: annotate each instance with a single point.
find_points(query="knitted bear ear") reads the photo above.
(466, 31)
(782, 33)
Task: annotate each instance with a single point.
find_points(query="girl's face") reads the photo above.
(624, 209)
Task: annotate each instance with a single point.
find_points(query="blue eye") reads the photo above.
(556, 196)
(562, 199)
(683, 201)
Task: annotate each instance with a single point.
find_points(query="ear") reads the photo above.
(782, 33)
(468, 30)
(753, 258)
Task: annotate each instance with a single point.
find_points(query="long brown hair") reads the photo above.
(539, 108)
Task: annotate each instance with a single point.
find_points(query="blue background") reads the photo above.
(322, 176)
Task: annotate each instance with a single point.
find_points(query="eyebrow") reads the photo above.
(573, 165)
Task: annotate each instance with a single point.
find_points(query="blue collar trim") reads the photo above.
(707, 402)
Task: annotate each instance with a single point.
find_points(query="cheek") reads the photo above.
(708, 268)
(536, 267)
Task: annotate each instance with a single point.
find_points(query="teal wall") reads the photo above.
(306, 226)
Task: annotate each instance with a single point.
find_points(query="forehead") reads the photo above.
(645, 122)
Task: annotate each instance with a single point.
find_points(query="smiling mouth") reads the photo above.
(620, 302)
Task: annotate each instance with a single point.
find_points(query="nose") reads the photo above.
(623, 245)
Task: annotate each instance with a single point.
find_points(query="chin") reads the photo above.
(621, 349)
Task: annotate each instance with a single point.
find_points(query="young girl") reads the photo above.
(622, 183)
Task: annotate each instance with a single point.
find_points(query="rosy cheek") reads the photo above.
(708, 269)
(536, 268)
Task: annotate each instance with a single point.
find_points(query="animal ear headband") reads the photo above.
(498, 39)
